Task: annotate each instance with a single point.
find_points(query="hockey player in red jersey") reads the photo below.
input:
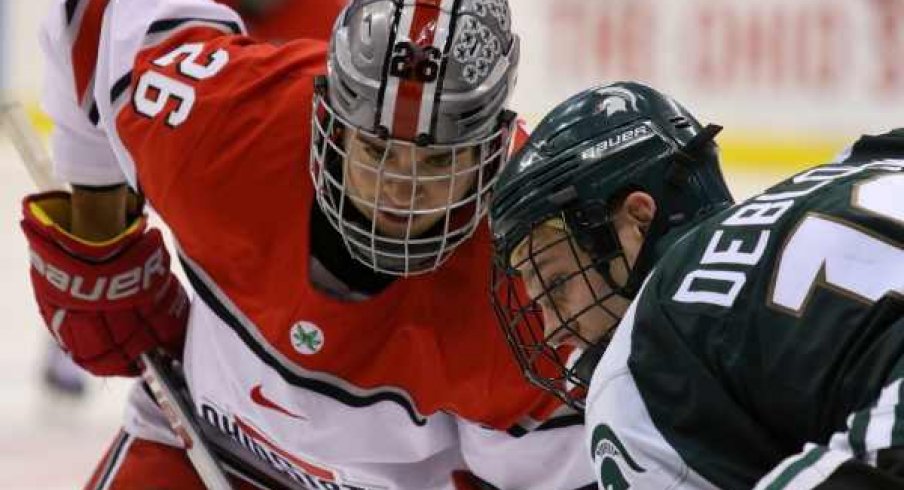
(328, 205)
(276, 21)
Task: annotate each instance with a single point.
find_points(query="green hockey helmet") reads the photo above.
(581, 161)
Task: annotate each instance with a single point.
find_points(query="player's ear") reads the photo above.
(640, 208)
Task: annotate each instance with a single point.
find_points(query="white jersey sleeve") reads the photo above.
(89, 48)
(81, 153)
(544, 458)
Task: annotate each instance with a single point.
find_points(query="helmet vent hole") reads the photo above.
(348, 90)
(471, 113)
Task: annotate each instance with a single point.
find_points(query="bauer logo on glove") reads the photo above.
(121, 286)
(104, 302)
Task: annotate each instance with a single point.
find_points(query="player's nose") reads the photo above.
(398, 191)
(400, 162)
(551, 321)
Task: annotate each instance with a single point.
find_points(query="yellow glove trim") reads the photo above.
(48, 209)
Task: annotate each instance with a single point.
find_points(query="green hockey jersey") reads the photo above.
(768, 344)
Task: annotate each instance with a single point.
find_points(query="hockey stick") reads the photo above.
(30, 148)
(37, 162)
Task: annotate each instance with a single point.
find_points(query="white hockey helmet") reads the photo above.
(416, 75)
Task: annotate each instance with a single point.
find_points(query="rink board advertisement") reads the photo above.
(826, 65)
(795, 76)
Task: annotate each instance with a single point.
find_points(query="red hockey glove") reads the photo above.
(104, 302)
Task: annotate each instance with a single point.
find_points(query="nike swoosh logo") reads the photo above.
(257, 396)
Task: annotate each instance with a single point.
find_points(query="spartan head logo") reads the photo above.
(606, 451)
(615, 100)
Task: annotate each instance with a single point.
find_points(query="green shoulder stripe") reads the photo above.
(808, 459)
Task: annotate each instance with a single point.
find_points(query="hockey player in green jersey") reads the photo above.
(764, 346)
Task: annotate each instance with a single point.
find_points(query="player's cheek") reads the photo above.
(463, 186)
(361, 181)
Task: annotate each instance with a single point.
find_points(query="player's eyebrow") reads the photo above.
(531, 273)
(371, 141)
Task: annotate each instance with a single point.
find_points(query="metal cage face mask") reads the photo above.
(401, 208)
(556, 308)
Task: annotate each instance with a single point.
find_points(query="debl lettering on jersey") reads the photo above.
(735, 244)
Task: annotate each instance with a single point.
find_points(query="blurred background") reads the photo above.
(792, 82)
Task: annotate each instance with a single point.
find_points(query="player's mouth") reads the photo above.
(393, 218)
(573, 334)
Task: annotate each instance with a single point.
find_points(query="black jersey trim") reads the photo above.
(93, 113)
(517, 431)
(71, 6)
(120, 86)
(335, 392)
(553, 423)
(166, 25)
(561, 422)
(113, 462)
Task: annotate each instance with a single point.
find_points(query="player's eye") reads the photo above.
(440, 160)
(553, 292)
(556, 286)
(374, 152)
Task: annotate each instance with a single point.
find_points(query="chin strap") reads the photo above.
(586, 364)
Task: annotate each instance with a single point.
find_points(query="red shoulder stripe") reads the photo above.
(85, 46)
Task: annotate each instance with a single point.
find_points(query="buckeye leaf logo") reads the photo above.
(306, 338)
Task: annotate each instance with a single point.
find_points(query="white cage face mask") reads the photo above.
(401, 208)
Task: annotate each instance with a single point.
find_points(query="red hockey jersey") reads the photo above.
(398, 391)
